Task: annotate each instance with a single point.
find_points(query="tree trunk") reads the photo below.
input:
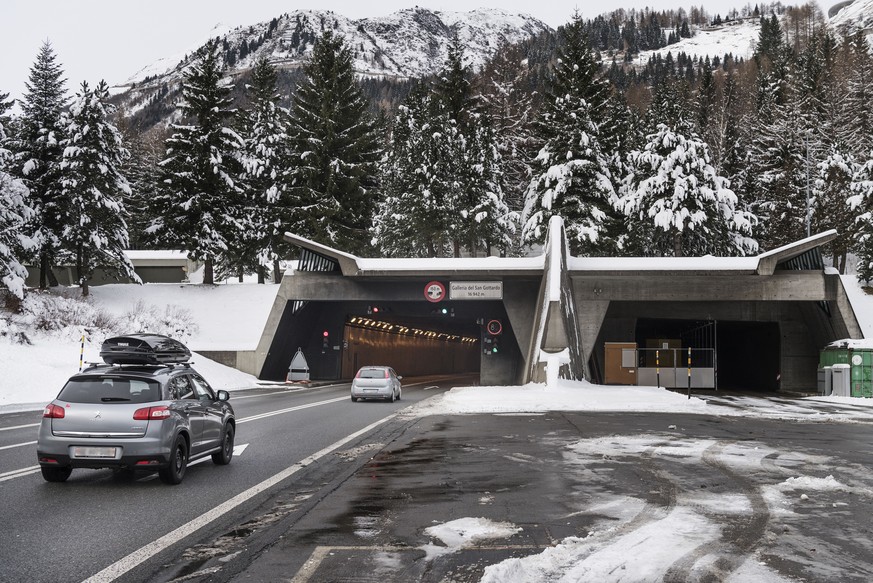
(457, 247)
(240, 275)
(43, 270)
(677, 245)
(261, 275)
(843, 262)
(208, 277)
(277, 277)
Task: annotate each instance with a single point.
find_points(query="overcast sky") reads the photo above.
(113, 39)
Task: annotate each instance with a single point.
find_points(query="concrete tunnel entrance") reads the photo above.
(746, 355)
(415, 338)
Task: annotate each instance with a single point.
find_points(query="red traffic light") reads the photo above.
(325, 334)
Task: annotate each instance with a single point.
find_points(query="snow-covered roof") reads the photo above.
(763, 264)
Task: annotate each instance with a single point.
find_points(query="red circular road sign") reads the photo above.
(434, 291)
(494, 327)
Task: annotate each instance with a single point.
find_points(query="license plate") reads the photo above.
(101, 452)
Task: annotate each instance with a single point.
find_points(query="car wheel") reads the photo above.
(175, 471)
(399, 393)
(222, 458)
(354, 400)
(57, 474)
(393, 397)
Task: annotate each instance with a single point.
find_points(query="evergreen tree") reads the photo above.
(266, 161)
(855, 126)
(452, 86)
(201, 205)
(477, 213)
(15, 212)
(91, 187)
(832, 189)
(414, 213)
(144, 176)
(674, 196)
(335, 149)
(509, 106)
(861, 204)
(571, 175)
(482, 218)
(38, 156)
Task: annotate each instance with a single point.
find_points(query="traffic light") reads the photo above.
(495, 345)
(325, 340)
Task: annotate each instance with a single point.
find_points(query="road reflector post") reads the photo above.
(689, 372)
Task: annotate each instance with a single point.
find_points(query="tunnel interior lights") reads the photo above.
(370, 324)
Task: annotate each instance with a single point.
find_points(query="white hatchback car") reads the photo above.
(376, 382)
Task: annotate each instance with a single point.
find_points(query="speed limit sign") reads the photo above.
(494, 327)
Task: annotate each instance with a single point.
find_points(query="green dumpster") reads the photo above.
(859, 355)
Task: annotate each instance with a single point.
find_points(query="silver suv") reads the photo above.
(135, 417)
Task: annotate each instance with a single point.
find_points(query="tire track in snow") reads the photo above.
(739, 536)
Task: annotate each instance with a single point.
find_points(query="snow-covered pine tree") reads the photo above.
(483, 220)
(15, 212)
(143, 174)
(335, 149)
(507, 103)
(779, 170)
(861, 204)
(38, 156)
(674, 197)
(412, 217)
(266, 161)
(201, 207)
(856, 121)
(832, 188)
(571, 174)
(477, 213)
(92, 187)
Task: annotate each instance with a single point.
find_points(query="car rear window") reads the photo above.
(373, 373)
(111, 390)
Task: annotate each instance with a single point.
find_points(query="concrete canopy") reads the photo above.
(562, 309)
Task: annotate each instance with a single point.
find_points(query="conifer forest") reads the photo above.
(680, 156)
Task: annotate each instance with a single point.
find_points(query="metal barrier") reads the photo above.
(677, 368)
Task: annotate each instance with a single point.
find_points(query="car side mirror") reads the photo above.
(223, 395)
(399, 378)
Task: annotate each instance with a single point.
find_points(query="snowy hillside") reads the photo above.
(737, 38)
(408, 43)
(852, 15)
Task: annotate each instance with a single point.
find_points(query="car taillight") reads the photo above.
(152, 413)
(53, 411)
(386, 374)
(357, 376)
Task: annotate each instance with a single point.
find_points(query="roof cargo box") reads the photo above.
(143, 349)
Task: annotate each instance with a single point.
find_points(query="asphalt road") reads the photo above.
(102, 527)
(610, 497)
(329, 490)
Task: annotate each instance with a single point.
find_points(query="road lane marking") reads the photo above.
(284, 392)
(19, 427)
(146, 552)
(237, 449)
(18, 473)
(290, 409)
(18, 445)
